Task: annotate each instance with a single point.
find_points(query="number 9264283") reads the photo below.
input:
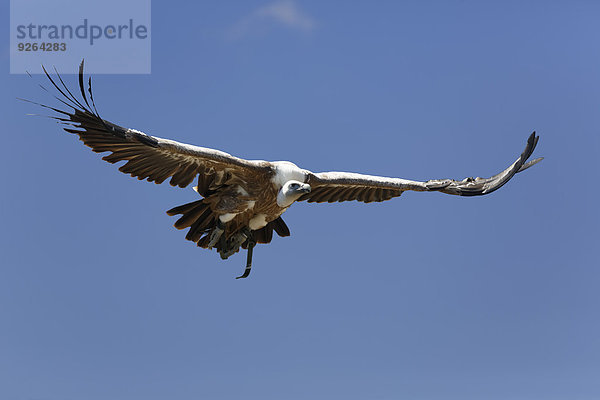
(44, 46)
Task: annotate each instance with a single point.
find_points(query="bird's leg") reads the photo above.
(216, 233)
(233, 244)
(251, 244)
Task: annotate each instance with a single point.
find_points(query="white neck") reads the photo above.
(286, 171)
(283, 200)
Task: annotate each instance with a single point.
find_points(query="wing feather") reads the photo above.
(156, 160)
(146, 157)
(344, 186)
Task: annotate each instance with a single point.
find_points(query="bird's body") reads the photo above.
(239, 204)
(242, 200)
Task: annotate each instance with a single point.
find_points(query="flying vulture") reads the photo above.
(241, 200)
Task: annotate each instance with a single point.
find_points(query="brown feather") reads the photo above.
(182, 209)
(280, 227)
(191, 216)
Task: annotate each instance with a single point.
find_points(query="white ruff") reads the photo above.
(258, 222)
(227, 217)
(287, 171)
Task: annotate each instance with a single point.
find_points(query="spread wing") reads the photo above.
(147, 157)
(344, 186)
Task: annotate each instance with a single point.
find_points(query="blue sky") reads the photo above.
(427, 296)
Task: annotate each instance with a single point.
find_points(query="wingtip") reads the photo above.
(530, 164)
(534, 161)
(533, 136)
(532, 142)
(81, 67)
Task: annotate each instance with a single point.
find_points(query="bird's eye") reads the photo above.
(294, 185)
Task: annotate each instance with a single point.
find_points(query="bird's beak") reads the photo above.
(305, 188)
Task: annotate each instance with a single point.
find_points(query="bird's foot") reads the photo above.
(251, 244)
(233, 244)
(216, 233)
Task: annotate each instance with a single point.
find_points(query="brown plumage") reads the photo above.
(242, 200)
(221, 197)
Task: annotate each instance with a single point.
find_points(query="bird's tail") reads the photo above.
(202, 221)
(196, 215)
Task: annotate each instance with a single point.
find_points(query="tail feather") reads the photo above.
(264, 234)
(280, 227)
(205, 222)
(197, 216)
(190, 217)
(203, 242)
(182, 209)
(201, 220)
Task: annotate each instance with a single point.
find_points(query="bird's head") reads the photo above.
(290, 192)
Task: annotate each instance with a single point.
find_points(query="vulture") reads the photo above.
(241, 201)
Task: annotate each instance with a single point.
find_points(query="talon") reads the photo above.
(233, 244)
